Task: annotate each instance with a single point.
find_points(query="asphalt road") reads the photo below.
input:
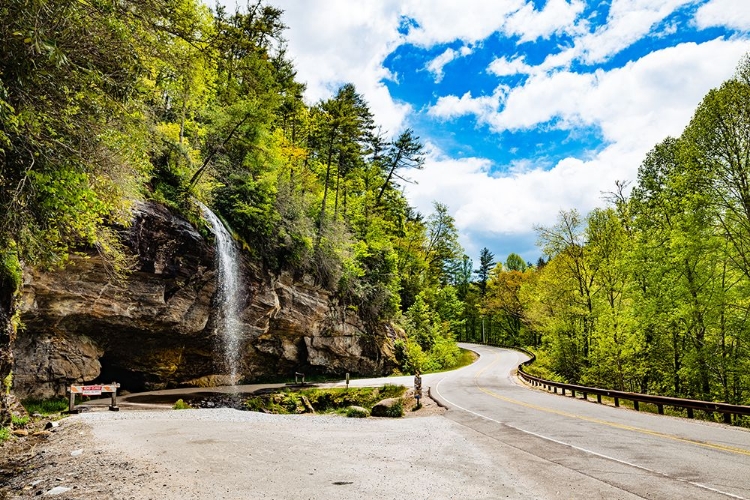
(500, 439)
(636, 453)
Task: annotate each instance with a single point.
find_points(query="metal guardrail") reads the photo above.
(726, 409)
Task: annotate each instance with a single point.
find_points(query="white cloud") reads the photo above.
(635, 106)
(436, 65)
(490, 207)
(444, 21)
(483, 107)
(628, 21)
(337, 41)
(557, 16)
(504, 67)
(730, 13)
(644, 95)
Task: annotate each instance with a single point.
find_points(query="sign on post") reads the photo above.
(93, 390)
(417, 387)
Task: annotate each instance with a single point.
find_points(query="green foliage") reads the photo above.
(323, 400)
(650, 293)
(4, 434)
(11, 275)
(45, 406)
(396, 410)
(8, 383)
(181, 405)
(19, 421)
(486, 264)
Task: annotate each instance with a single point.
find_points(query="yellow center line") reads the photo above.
(704, 444)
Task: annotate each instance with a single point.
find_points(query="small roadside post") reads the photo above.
(347, 381)
(418, 388)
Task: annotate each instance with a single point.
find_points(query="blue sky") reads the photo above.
(527, 107)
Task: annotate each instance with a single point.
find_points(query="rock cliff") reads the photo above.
(155, 328)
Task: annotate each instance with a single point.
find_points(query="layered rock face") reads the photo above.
(156, 328)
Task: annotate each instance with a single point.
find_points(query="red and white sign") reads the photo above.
(93, 390)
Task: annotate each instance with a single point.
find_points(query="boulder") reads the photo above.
(357, 412)
(391, 407)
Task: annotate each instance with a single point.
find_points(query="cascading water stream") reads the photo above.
(228, 326)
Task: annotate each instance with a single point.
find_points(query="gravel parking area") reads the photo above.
(225, 453)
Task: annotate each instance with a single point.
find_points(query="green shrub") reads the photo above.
(4, 434)
(180, 405)
(45, 406)
(396, 411)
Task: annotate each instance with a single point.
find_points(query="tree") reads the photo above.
(66, 166)
(442, 243)
(404, 152)
(486, 263)
(343, 126)
(514, 262)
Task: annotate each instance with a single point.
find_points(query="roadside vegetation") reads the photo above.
(45, 407)
(338, 400)
(650, 293)
(37, 412)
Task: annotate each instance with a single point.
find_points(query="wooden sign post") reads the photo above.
(417, 387)
(93, 390)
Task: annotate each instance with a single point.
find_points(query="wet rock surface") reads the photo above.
(155, 328)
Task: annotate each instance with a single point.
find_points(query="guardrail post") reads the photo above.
(585, 397)
(563, 391)
(555, 389)
(690, 412)
(660, 409)
(599, 398)
(635, 406)
(617, 401)
(573, 393)
(727, 418)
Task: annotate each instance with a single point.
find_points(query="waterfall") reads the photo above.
(228, 326)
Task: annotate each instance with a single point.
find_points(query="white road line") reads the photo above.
(584, 450)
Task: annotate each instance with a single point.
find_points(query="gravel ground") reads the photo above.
(226, 453)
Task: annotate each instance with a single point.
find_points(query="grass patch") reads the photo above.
(19, 421)
(45, 406)
(466, 358)
(336, 400)
(4, 434)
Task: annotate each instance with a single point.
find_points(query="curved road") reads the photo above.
(639, 454)
(500, 439)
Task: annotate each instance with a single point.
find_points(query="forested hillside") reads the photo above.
(651, 293)
(106, 102)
